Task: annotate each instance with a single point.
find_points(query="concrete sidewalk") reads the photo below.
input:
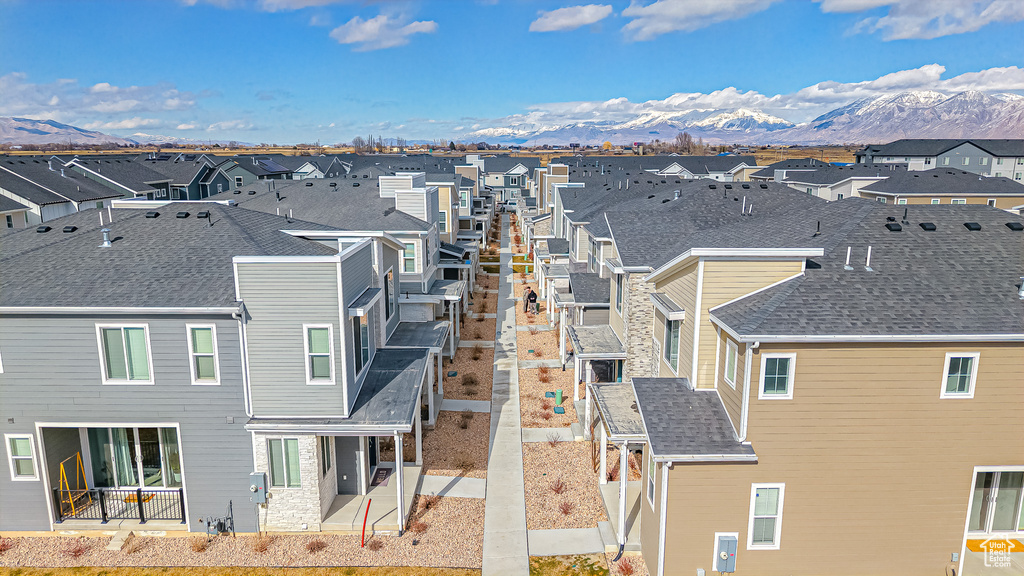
(506, 551)
(566, 541)
(456, 486)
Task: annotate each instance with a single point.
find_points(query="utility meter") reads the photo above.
(258, 487)
(726, 561)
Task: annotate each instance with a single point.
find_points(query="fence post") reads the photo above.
(103, 505)
(181, 502)
(138, 500)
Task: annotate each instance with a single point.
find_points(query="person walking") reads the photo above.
(532, 301)
(526, 299)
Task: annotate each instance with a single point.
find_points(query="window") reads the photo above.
(22, 457)
(99, 205)
(325, 455)
(442, 221)
(672, 343)
(177, 192)
(927, 161)
(10, 221)
(124, 354)
(992, 202)
(731, 357)
(238, 181)
(464, 199)
(409, 257)
(202, 348)
(284, 462)
(765, 526)
(901, 201)
(935, 200)
(999, 174)
(1016, 176)
(967, 161)
(360, 342)
(880, 199)
(984, 161)
(839, 196)
(651, 469)
(999, 161)
(319, 354)
(220, 187)
(809, 191)
(959, 374)
(776, 376)
(618, 292)
(389, 294)
(958, 201)
(945, 161)
(513, 181)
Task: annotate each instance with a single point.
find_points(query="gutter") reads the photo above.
(133, 310)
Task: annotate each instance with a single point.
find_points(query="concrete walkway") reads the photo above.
(506, 551)
(456, 486)
(566, 541)
(460, 405)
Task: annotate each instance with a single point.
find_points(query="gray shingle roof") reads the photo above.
(946, 181)
(618, 408)
(153, 262)
(589, 288)
(686, 423)
(181, 173)
(36, 182)
(936, 146)
(835, 174)
(8, 205)
(131, 174)
(597, 341)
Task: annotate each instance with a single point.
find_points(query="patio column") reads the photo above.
(623, 478)
(561, 335)
(576, 378)
(419, 439)
(458, 317)
(451, 332)
(586, 408)
(604, 456)
(440, 379)
(430, 395)
(399, 482)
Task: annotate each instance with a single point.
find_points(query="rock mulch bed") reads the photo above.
(478, 329)
(452, 537)
(529, 318)
(481, 369)
(613, 465)
(449, 449)
(486, 300)
(544, 342)
(579, 504)
(487, 281)
(635, 562)
(536, 411)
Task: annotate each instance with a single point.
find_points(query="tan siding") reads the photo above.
(614, 316)
(732, 394)
(650, 520)
(725, 280)
(1002, 202)
(871, 457)
(681, 287)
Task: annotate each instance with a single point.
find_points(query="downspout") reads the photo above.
(747, 363)
(664, 518)
(240, 316)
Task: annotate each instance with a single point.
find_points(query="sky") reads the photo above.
(301, 71)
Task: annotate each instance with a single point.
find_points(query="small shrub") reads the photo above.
(480, 318)
(613, 472)
(546, 404)
(467, 417)
(418, 527)
(375, 545)
(198, 544)
(478, 352)
(133, 545)
(625, 567)
(76, 549)
(538, 352)
(465, 463)
(261, 543)
(315, 545)
(428, 501)
(545, 415)
(481, 306)
(6, 544)
(553, 439)
(533, 331)
(566, 508)
(557, 486)
(469, 380)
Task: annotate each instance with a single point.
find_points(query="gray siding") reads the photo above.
(595, 316)
(280, 298)
(356, 276)
(392, 260)
(39, 385)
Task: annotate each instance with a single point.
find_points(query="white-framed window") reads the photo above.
(936, 200)
(945, 161)
(839, 196)
(765, 528)
(360, 342)
(671, 343)
(984, 161)
(618, 293)
(652, 469)
(409, 257)
(283, 456)
(999, 161)
(202, 351)
(880, 199)
(238, 181)
(901, 201)
(318, 341)
(927, 161)
(21, 455)
(958, 201)
(992, 202)
(959, 374)
(177, 192)
(513, 181)
(442, 221)
(776, 376)
(731, 359)
(463, 199)
(1016, 176)
(389, 293)
(10, 221)
(967, 160)
(325, 454)
(125, 357)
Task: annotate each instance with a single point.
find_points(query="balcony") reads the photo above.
(81, 508)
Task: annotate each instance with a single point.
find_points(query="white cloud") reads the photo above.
(127, 124)
(570, 18)
(117, 105)
(188, 126)
(664, 16)
(380, 32)
(229, 125)
(920, 19)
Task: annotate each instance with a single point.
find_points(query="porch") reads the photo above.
(109, 508)
(347, 511)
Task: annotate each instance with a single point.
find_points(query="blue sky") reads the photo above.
(288, 71)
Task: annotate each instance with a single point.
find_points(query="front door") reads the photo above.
(346, 457)
(996, 505)
(372, 443)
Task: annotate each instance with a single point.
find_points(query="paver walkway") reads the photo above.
(506, 551)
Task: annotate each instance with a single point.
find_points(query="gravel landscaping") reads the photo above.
(453, 537)
(487, 281)
(478, 329)
(579, 505)
(488, 301)
(481, 369)
(637, 567)
(529, 318)
(532, 401)
(613, 465)
(546, 341)
(448, 449)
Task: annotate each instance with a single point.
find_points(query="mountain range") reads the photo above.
(920, 114)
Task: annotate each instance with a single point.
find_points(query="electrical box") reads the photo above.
(726, 561)
(258, 487)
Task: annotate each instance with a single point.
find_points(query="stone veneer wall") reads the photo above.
(289, 508)
(638, 311)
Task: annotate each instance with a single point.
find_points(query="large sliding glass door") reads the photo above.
(997, 504)
(135, 457)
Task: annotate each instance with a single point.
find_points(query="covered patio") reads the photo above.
(432, 336)
(347, 511)
(619, 424)
(598, 356)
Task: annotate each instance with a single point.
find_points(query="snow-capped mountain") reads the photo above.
(144, 139)
(26, 131)
(921, 114)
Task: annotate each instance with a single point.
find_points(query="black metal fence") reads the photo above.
(105, 504)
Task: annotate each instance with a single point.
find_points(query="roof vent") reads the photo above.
(890, 218)
(152, 214)
(728, 186)
(334, 184)
(665, 200)
(69, 229)
(1015, 226)
(652, 196)
(252, 192)
(106, 238)
(355, 184)
(764, 186)
(181, 215)
(238, 191)
(972, 226)
(203, 214)
(712, 187)
(893, 227)
(927, 226)
(309, 183)
(745, 186)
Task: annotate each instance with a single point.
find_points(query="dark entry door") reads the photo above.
(346, 454)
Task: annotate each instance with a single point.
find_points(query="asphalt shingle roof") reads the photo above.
(946, 181)
(36, 182)
(590, 288)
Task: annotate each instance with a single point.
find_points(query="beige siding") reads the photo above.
(732, 394)
(681, 287)
(725, 280)
(1002, 202)
(877, 467)
(650, 520)
(614, 316)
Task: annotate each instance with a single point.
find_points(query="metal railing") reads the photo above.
(105, 504)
